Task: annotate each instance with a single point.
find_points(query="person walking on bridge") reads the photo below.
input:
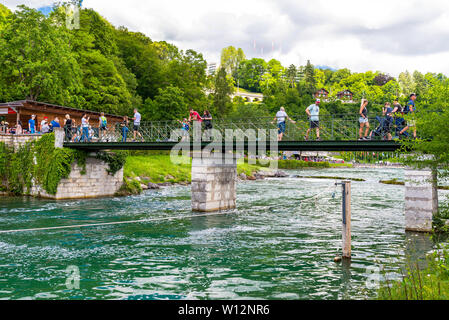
(102, 125)
(313, 111)
(410, 110)
(281, 117)
(364, 122)
(137, 117)
(85, 128)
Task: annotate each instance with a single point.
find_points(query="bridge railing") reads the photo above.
(332, 127)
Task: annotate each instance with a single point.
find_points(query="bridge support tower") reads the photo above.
(421, 199)
(214, 179)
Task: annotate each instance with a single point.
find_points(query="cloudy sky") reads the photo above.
(386, 35)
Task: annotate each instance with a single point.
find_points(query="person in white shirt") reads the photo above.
(137, 118)
(281, 117)
(85, 128)
(45, 128)
(313, 111)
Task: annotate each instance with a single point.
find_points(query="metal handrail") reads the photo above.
(332, 127)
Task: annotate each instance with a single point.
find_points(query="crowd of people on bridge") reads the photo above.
(391, 122)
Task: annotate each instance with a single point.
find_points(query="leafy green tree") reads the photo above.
(310, 83)
(406, 82)
(231, 59)
(223, 89)
(5, 14)
(251, 74)
(36, 61)
(169, 104)
(292, 74)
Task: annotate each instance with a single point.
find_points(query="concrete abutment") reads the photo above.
(214, 179)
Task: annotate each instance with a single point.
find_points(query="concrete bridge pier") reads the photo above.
(421, 199)
(214, 179)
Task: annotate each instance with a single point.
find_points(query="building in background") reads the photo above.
(211, 68)
(12, 112)
(322, 94)
(345, 96)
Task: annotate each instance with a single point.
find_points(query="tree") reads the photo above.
(231, 59)
(36, 61)
(381, 79)
(292, 74)
(406, 82)
(169, 104)
(223, 90)
(5, 14)
(309, 78)
(251, 74)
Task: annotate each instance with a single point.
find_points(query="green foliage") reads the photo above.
(129, 187)
(36, 59)
(5, 14)
(223, 90)
(59, 168)
(168, 104)
(431, 283)
(4, 160)
(231, 59)
(21, 170)
(115, 160)
(39, 161)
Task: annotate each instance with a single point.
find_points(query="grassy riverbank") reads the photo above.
(156, 167)
(431, 283)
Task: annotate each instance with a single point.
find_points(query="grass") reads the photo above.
(431, 283)
(402, 183)
(157, 168)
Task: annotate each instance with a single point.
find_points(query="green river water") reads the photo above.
(274, 245)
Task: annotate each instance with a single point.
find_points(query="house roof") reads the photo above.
(344, 91)
(22, 104)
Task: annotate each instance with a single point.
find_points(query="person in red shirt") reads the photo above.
(195, 116)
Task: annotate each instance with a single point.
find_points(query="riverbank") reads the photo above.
(151, 170)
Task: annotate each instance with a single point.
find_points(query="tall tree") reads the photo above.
(231, 59)
(223, 90)
(309, 78)
(36, 60)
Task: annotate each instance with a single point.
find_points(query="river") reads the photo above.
(278, 244)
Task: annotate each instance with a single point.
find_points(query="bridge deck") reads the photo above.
(386, 146)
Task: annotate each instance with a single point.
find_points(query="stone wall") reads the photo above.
(15, 141)
(213, 184)
(95, 183)
(421, 199)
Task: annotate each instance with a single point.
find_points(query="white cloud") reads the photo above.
(386, 35)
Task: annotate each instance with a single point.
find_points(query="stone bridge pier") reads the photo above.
(421, 199)
(214, 179)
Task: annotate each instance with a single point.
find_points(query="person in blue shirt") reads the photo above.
(410, 109)
(32, 124)
(55, 123)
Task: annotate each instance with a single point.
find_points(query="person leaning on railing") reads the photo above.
(281, 117)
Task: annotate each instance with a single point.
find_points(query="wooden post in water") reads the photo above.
(346, 236)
